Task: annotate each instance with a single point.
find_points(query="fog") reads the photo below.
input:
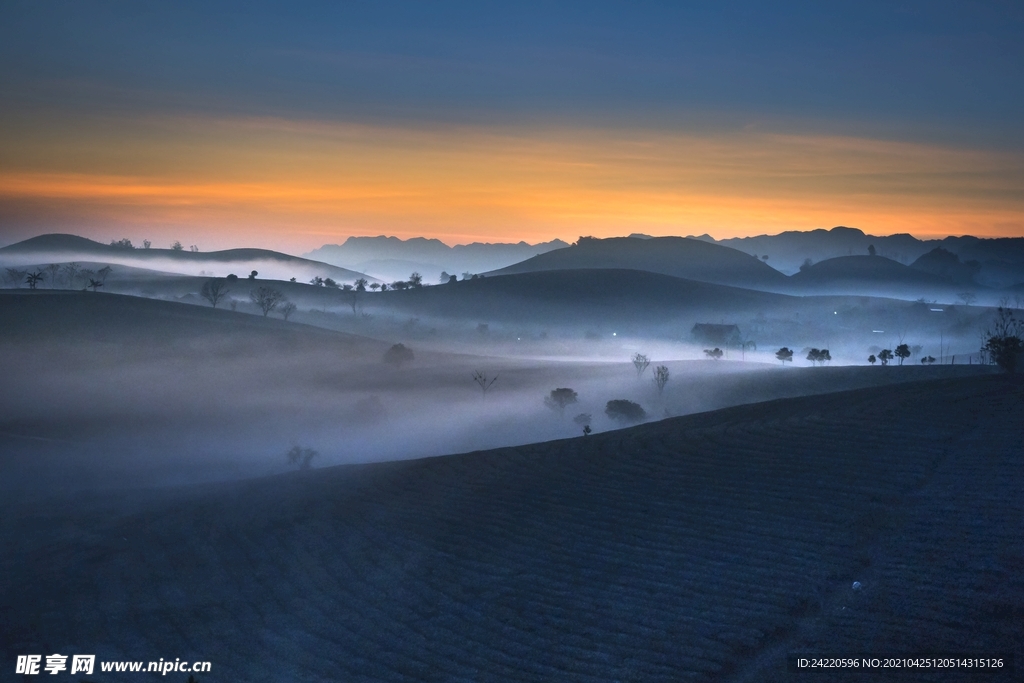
(110, 391)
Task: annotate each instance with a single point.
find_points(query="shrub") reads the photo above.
(625, 411)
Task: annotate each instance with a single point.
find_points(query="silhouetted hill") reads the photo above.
(593, 297)
(872, 275)
(391, 257)
(701, 548)
(1001, 259)
(947, 265)
(62, 248)
(675, 256)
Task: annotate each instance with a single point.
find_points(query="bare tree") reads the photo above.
(53, 269)
(640, 362)
(302, 457)
(103, 273)
(287, 308)
(70, 271)
(15, 277)
(483, 381)
(661, 376)
(214, 291)
(967, 297)
(94, 284)
(558, 399)
(266, 298)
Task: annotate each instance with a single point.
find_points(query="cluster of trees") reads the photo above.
(618, 410)
(819, 356)
(902, 352)
(1004, 345)
(69, 275)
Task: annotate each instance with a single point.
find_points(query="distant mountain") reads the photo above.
(1001, 260)
(391, 258)
(60, 248)
(676, 256)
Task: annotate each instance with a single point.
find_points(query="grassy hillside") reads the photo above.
(699, 548)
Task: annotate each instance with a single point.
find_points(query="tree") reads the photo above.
(967, 297)
(214, 291)
(661, 376)
(361, 284)
(70, 271)
(640, 362)
(785, 355)
(177, 246)
(928, 360)
(123, 243)
(885, 355)
(872, 359)
(483, 381)
(400, 285)
(53, 269)
(398, 354)
(902, 352)
(819, 355)
(415, 280)
(103, 273)
(329, 282)
(32, 279)
(15, 277)
(301, 457)
(194, 249)
(232, 278)
(253, 274)
(583, 420)
(266, 298)
(558, 399)
(715, 353)
(871, 250)
(1003, 340)
(806, 264)
(287, 309)
(375, 286)
(146, 244)
(94, 284)
(625, 411)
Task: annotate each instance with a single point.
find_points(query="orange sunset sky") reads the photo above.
(507, 151)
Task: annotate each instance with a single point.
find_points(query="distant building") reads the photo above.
(717, 335)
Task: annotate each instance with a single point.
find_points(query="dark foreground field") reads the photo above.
(705, 547)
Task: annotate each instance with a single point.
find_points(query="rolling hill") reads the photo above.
(702, 548)
(59, 248)
(675, 256)
(870, 275)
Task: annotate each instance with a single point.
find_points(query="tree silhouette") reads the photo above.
(253, 274)
(266, 298)
(558, 399)
(361, 284)
(872, 359)
(902, 352)
(415, 280)
(53, 269)
(483, 381)
(625, 411)
(32, 279)
(715, 353)
(70, 271)
(214, 291)
(94, 284)
(661, 376)
(871, 250)
(398, 354)
(177, 246)
(640, 362)
(301, 456)
(583, 420)
(928, 360)
(1003, 341)
(785, 355)
(103, 273)
(819, 355)
(15, 277)
(287, 309)
(885, 355)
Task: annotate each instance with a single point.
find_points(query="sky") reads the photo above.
(293, 125)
